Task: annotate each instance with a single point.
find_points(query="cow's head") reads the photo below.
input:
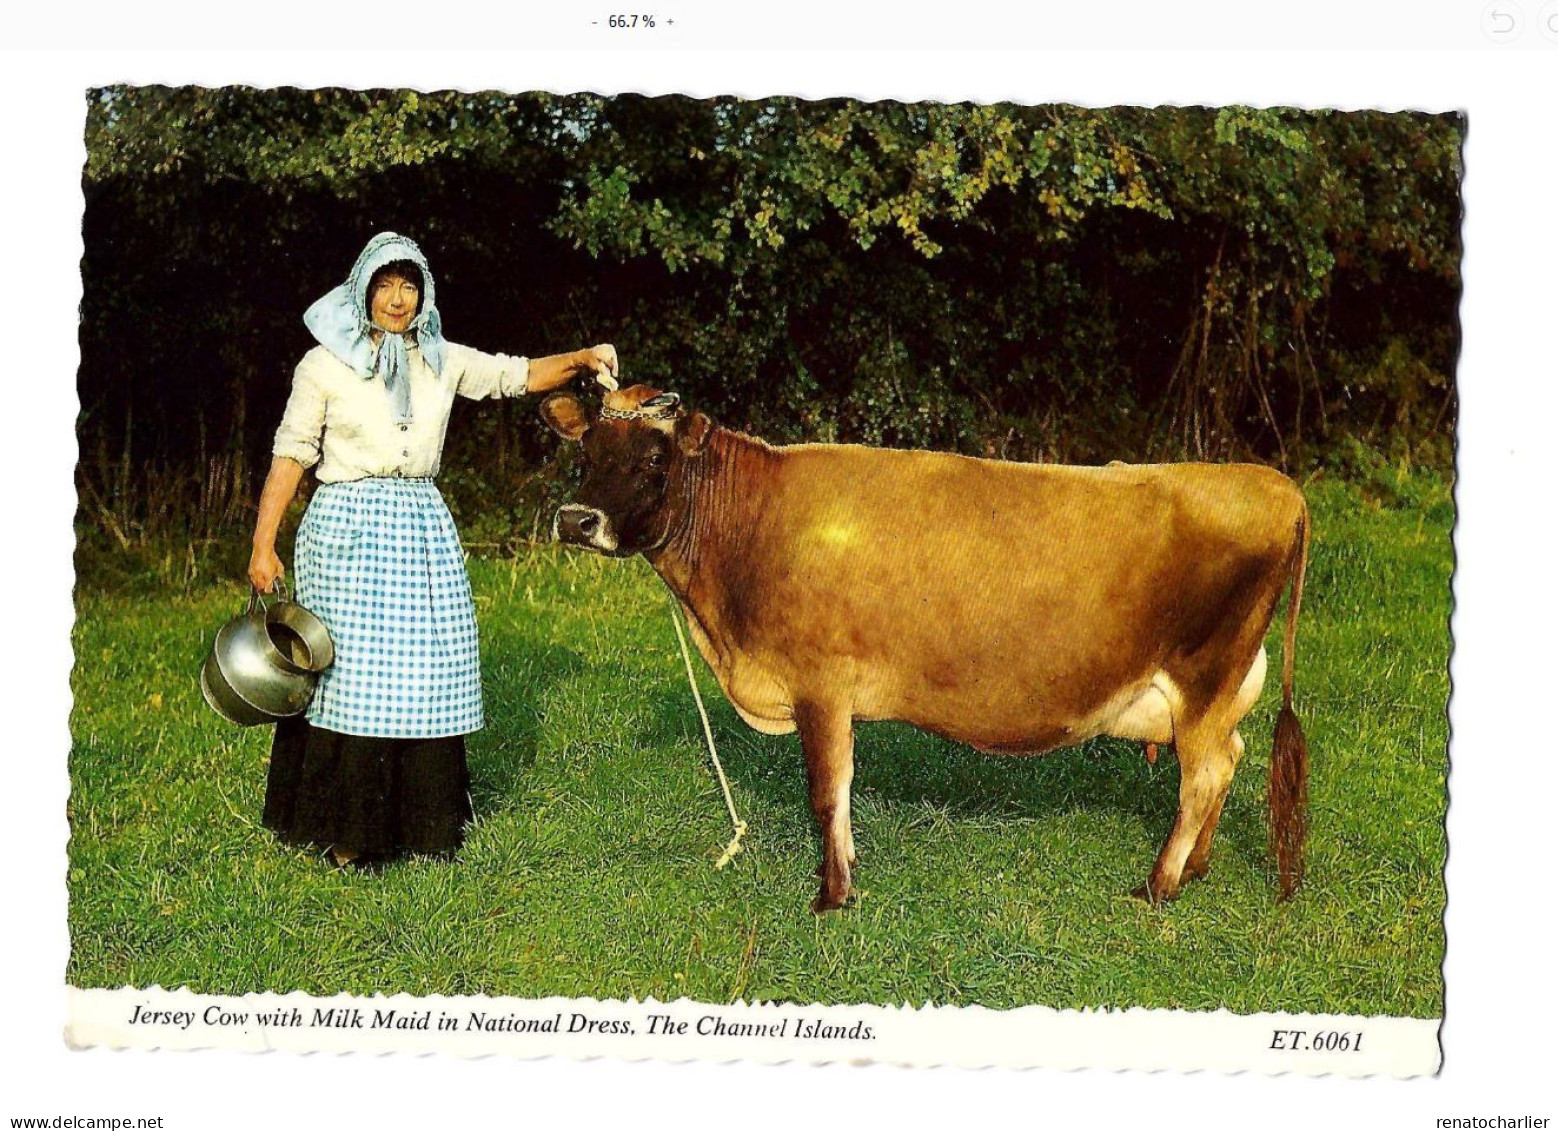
(635, 451)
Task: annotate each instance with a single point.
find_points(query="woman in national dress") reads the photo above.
(376, 765)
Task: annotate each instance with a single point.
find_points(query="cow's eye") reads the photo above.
(656, 459)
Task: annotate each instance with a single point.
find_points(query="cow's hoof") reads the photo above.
(1147, 895)
(825, 902)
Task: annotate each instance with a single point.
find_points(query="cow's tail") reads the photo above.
(1287, 800)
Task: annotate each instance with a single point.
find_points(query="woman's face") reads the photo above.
(392, 301)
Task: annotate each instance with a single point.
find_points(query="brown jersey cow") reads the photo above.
(1013, 607)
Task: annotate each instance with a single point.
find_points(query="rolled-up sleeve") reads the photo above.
(480, 375)
(303, 423)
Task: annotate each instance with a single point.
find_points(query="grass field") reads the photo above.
(589, 871)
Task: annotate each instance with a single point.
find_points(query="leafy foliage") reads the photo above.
(1033, 282)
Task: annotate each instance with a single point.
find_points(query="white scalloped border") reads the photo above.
(1151, 1040)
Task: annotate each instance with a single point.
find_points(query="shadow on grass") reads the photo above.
(501, 753)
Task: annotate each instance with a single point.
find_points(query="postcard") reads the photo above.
(770, 579)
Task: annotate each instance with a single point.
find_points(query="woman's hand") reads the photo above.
(548, 373)
(602, 362)
(264, 568)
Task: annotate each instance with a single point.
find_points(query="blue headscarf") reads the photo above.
(342, 322)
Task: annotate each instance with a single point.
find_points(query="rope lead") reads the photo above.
(736, 822)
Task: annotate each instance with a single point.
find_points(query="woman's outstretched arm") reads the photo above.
(482, 375)
(548, 373)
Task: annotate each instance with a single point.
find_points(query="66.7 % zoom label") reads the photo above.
(1322, 1040)
(630, 21)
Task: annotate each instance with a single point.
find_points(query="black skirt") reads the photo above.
(375, 797)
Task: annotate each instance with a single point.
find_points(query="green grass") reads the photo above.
(589, 871)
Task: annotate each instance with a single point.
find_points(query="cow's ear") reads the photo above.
(567, 415)
(692, 433)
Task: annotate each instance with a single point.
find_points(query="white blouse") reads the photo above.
(345, 423)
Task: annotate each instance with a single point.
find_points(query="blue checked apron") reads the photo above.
(379, 561)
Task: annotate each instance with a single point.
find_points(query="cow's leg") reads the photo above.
(1209, 748)
(828, 742)
(1198, 864)
(1206, 762)
(849, 829)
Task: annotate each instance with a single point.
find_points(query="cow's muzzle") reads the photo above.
(584, 526)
